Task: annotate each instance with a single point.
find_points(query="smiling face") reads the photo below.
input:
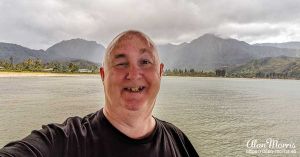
(131, 74)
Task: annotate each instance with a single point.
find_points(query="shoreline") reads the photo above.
(39, 74)
(251, 78)
(6, 74)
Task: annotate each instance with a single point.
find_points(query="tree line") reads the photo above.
(37, 65)
(188, 72)
(270, 75)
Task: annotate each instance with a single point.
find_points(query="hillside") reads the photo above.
(209, 52)
(77, 49)
(20, 53)
(281, 67)
(65, 51)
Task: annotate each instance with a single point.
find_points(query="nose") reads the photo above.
(134, 73)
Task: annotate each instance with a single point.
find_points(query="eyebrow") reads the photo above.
(143, 50)
(119, 56)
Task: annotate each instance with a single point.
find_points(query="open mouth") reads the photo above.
(134, 89)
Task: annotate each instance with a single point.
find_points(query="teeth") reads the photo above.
(134, 89)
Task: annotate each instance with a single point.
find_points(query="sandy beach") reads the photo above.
(37, 74)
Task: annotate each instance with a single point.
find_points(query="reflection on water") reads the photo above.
(219, 115)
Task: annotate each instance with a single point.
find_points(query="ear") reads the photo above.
(161, 69)
(101, 71)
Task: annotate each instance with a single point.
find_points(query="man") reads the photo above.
(131, 75)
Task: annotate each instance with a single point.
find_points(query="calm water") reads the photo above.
(219, 115)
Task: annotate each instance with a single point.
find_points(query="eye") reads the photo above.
(145, 61)
(125, 64)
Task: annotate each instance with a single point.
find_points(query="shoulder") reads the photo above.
(167, 125)
(73, 124)
(175, 135)
(53, 139)
(81, 121)
(169, 128)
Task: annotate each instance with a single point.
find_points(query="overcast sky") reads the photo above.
(39, 24)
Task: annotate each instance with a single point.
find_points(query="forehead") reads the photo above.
(132, 43)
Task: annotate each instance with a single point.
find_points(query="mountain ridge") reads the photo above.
(207, 52)
(61, 51)
(79, 49)
(210, 52)
(288, 45)
(19, 52)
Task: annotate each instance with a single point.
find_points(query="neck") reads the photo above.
(131, 123)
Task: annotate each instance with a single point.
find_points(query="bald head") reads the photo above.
(124, 36)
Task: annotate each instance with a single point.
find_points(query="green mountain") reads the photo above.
(64, 51)
(210, 52)
(269, 67)
(78, 49)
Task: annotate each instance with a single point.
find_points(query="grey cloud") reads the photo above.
(39, 24)
(248, 11)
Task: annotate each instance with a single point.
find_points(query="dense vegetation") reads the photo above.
(36, 65)
(276, 67)
(190, 72)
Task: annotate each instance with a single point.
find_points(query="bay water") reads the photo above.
(221, 116)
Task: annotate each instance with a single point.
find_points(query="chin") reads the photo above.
(135, 106)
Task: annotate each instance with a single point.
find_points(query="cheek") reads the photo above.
(114, 80)
(154, 79)
(114, 76)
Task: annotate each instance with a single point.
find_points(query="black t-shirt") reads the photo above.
(94, 136)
